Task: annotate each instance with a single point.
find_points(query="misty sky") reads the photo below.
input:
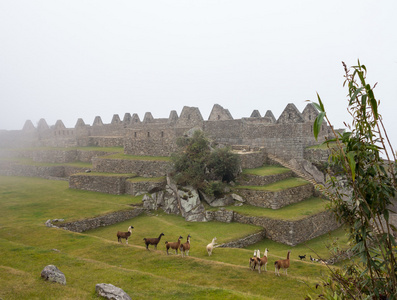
(80, 59)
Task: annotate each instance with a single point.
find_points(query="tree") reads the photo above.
(199, 165)
(364, 206)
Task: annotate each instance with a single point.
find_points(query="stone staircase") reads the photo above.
(319, 186)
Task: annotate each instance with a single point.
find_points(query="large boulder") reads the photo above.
(184, 201)
(109, 291)
(53, 274)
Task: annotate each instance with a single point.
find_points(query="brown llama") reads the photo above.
(174, 245)
(152, 241)
(262, 261)
(282, 263)
(185, 247)
(124, 235)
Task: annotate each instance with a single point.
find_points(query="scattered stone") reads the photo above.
(224, 201)
(109, 291)
(237, 197)
(53, 274)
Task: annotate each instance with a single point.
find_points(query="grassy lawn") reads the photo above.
(291, 212)
(266, 170)
(30, 162)
(147, 179)
(27, 246)
(138, 157)
(277, 186)
(107, 174)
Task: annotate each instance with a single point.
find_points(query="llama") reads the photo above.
(185, 247)
(262, 261)
(174, 245)
(211, 247)
(152, 241)
(253, 261)
(282, 263)
(124, 235)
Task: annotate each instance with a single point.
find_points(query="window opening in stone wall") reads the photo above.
(310, 117)
(289, 116)
(188, 117)
(162, 134)
(219, 117)
(135, 134)
(148, 134)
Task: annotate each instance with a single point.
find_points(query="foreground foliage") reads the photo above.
(363, 202)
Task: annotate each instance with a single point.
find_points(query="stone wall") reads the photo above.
(292, 232)
(144, 168)
(61, 172)
(13, 169)
(252, 159)
(140, 187)
(317, 155)
(105, 220)
(246, 241)
(115, 184)
(276, 200)
(286, 137)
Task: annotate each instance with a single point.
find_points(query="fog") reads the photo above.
(64, 60)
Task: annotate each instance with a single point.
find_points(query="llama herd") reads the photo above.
(254, 262)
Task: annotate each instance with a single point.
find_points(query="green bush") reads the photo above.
(199, 165)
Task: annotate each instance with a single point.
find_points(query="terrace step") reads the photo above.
(317, 185)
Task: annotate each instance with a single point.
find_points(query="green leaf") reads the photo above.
(321, 103)
(352, 163)
(317, 124)
(356, 92)
(316, 106)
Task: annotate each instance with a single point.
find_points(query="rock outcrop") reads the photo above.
(53, 274)
(109, 291)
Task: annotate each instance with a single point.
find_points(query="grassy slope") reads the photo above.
(266, 170)
(277, 186)
(291, 212)
(26, 246)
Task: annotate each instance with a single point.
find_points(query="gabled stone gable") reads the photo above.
(42, 125)
(255, 114)
(218, 113)
(310, 113)
(28, 126)
(97, 121)
(269, 114)
(290, 115)
(115, 119)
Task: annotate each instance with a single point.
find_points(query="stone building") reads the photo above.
(287, 137)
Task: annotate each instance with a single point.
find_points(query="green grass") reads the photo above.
(26, 246)
(105, 174)
(291, 212)
(147, 179)
(277, 186)
(138, 157)
(30, 162)
(266, 170)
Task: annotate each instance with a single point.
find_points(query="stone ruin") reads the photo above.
(287, 137)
